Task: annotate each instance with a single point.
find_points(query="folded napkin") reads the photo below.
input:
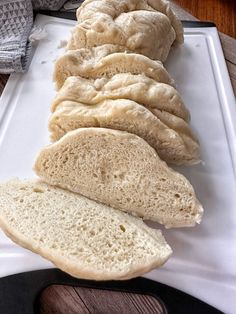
(16, 20)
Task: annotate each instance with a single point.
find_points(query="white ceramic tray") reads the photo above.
(204, 259)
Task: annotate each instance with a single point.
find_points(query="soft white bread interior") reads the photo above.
(174, 147)
(139, 88)
(143, 26)
(121, 170)
(103, 61)
(83, 238)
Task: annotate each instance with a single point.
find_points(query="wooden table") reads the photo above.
(221, 12)
(215, 11)
(62, 299)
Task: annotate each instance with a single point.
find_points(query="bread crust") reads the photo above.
(143, 26)
(121, 114)
(106, 61)
(139, 88)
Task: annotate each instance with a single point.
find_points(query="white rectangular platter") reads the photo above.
(204, 259)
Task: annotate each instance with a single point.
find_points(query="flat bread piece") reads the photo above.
(121, 114)
(106, 61)
(123, 171)
(145, 27)
(86, 239)
(139, 88)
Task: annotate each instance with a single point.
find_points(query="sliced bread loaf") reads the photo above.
(102, 61)
(139, 88)
(121, 170)
(126, 115)
(83, 238)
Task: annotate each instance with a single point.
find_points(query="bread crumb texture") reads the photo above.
(84, 238)
(121, 170)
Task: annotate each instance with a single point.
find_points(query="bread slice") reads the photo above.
(145, 27)
(139, 88)
(121, 170)
(102, 61)
(83, 238)
(126, 115)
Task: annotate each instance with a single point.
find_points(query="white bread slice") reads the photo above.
(139, 88)
(142, 26)
(83, 238)
(121, 170)
(102, 61)
(126, 115)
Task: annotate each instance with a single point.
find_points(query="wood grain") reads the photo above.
(232, 71)
(221, 12)
(84, 300)
(3, 81)
(228, 43)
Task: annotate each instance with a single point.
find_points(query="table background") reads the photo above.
(62, 299)
(222, 12)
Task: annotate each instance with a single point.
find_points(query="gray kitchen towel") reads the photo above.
(53, 5)
(16, 20)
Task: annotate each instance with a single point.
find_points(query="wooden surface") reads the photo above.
(85, 301)
(221, 12)
(62, 299)
(3, 81)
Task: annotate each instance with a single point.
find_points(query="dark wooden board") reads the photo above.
(85, 300)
